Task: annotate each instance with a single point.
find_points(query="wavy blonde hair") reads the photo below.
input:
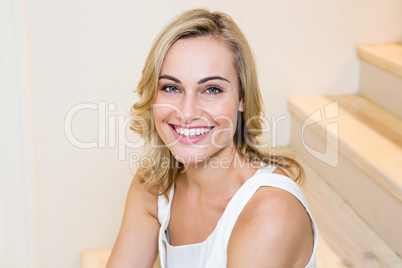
(159, 177)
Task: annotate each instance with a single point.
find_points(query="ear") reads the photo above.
(241, 106)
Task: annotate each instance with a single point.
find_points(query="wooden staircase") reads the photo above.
(380, 75)
(354, 143)
(98, 258)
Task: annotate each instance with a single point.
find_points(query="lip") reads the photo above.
(189, 140)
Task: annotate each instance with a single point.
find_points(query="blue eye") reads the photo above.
(170, 89)
(213, 90)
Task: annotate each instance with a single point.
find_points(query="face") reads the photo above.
(197, 103)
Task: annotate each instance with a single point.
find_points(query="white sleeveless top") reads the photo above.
(212, 253)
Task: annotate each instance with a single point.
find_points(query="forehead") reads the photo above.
(199, 57)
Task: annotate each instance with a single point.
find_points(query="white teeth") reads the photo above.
(192, 132)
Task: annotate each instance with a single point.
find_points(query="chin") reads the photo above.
(188, 157)
(194, 157)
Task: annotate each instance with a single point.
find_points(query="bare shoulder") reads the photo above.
(137, 241)
(280, 171)
(138, 195)
(274, 230)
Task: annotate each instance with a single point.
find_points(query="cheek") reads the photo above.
(226, 113)
(162, 108)
(226, 118)
(159, 115)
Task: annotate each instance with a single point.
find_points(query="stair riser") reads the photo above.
(382, 87)
(376, 206)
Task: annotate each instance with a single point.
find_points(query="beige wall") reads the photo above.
(16, 215)
(87, 51)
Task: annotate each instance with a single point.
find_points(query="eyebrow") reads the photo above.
(206, 79)
(170, 78)
(212, 78)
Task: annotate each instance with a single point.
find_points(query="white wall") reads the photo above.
(87, 51)
(16, 208)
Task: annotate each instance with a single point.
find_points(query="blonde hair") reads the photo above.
(159, 177)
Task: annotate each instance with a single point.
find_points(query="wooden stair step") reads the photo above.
(345, 239)
(369, 136)
(384, 56)
(97, 258)
(361, 159)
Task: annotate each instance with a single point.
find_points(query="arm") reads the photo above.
(273, 230)
(137, 241)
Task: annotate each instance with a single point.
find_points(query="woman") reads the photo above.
(202, 204)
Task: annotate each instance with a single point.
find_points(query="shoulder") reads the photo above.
(273, 230)
(141, 198)
(279, 171)
(136, 243)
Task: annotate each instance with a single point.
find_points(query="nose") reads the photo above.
(190, 108)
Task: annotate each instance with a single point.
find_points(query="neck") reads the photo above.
(217, 175)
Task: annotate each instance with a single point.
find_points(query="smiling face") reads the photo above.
(195, 111)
